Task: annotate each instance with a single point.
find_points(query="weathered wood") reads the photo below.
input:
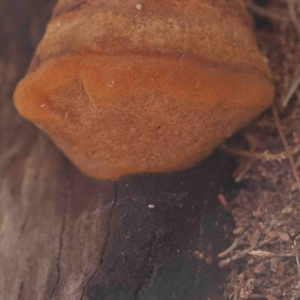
(65, 236)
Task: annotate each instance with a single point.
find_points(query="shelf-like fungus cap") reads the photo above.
(151, 86)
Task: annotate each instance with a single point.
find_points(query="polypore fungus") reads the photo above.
(144, 86)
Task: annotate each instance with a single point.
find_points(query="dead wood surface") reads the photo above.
(65, 236)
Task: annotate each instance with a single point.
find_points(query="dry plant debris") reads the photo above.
(265, 252)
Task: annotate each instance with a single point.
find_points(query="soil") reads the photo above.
(263, 259)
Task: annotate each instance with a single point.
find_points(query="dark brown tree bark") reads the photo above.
(65, 236)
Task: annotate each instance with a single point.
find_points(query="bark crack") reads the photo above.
(106, 239)
(61, 244)
(21, 290)
(154, 250)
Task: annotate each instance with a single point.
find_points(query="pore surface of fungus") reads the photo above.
(124, 90)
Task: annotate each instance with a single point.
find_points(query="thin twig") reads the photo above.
(243, 253)
(294, 18)
(256, 296)
(287, 281)
(242, 169)
(296, 296)
(269, 254)
(294, 87)
(224, 202)
(231, 248)
(297, 255)
(266, 12)
(286, 146)
(236, 292)
(266, 156)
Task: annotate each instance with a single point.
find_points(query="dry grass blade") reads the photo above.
(297, 255)
(266, 12)
(293, 14)
(233, 246)
(267, 254)
(287, 281)
(236, 293)
(243, 253)
(295, 85)
(286, 146)
(266, 156)
(242, 170)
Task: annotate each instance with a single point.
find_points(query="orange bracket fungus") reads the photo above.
(144, 86)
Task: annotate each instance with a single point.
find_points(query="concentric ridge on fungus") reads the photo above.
(123, 90)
